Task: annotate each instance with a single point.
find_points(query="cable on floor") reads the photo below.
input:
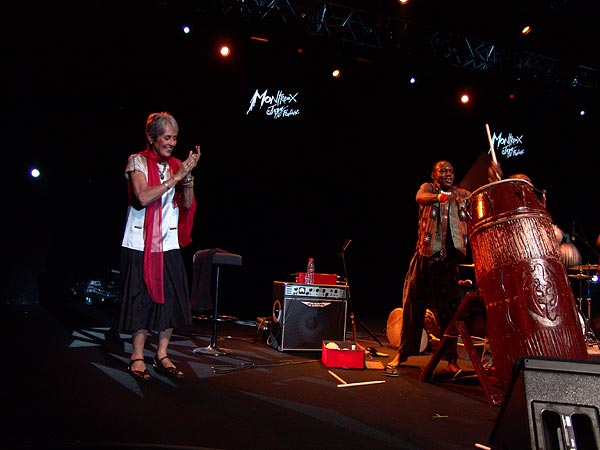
(245, 366)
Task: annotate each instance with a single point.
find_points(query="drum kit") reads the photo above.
(584, 274)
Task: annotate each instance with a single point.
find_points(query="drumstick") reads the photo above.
(487, 128)
(336, 377)
(362, 383)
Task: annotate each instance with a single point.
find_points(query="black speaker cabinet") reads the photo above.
(551, 404)
(303, 323)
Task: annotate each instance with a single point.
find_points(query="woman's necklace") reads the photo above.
(161, 171)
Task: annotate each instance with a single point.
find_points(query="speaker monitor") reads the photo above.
(303, 323)
(551, 404)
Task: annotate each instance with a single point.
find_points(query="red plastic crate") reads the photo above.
(345, 357)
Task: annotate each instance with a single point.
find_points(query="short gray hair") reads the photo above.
(157, 122)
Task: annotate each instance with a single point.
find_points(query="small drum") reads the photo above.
(394, 328)
(530, 307)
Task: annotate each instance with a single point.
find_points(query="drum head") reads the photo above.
(394, 329)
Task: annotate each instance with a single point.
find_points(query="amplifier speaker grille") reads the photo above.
(304, 323)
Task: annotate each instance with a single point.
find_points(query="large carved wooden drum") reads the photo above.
(530, 307)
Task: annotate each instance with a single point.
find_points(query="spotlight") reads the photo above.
(224, 51)
(575, 81)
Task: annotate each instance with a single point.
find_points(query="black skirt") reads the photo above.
(138, 311)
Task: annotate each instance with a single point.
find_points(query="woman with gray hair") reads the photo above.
(155, 292)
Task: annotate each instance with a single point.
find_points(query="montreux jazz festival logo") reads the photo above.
(277, 106)
(508, 146)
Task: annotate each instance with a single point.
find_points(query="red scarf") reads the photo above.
(153, 249)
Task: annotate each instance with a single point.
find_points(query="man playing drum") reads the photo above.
(432, 278)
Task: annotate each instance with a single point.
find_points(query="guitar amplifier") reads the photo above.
(304, 315)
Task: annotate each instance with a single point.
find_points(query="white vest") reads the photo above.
(134, 229)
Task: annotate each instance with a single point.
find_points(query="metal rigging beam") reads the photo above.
(349, 24)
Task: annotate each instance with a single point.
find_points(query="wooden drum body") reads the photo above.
(530, 306)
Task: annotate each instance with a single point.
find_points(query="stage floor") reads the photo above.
(66, 386)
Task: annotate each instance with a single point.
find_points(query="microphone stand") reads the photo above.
(353, 319)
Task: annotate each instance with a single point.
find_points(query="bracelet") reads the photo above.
(165, 184)
(187, 181)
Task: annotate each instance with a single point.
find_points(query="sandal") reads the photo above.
(143, 375)
(453, 370)
(171, 372)
(391, 371)
(373, 352)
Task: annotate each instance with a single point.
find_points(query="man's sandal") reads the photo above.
(372, 351)
(391, 371)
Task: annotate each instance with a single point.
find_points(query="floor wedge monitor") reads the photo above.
(552, 404)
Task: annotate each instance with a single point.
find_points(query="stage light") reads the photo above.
(595, 278)
(464, 99)
(225, 51)
(186, 29)
(336, 73)
(575, 81)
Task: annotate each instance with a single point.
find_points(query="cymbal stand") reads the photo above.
(580, 298)
(589, 335)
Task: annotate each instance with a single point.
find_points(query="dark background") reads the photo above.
(83, 76)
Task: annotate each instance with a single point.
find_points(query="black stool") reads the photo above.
(219, 258)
